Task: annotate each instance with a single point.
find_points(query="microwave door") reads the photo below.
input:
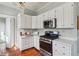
(46, 24)
(51, 24)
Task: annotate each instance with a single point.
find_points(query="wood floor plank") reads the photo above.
(31, 52)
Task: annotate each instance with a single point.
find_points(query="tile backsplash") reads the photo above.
(69, 33)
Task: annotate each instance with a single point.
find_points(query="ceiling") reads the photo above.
(32, 6)
(29, 5)
(35, 5)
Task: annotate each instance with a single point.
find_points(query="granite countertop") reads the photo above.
(66, 40)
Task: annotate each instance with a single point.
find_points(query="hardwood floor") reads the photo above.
(27, 52)
(31, 52)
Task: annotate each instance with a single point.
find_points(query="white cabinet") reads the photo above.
(40, 21)
(37, 22)
(68, 15)
(24, 21)
(65, 16)
(62, 48)
(28, 21)
(27, 42)
(52, 14)
(34, 22)
(45, 15)
(59, 17)
(36, 42)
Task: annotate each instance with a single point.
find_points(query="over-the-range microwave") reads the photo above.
(48, 24)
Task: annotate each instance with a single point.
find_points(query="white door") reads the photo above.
(28, 22)
(41, 21)
(38, 22)
(23, 21)
(68, 15)
(52, 14)
(59, 16)
(36, 42)
(34, 22)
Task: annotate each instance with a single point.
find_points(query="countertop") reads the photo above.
(66, 40)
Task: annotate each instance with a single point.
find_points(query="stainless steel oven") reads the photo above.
(46, 46)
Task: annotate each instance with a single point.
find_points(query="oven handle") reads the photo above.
(46, 41)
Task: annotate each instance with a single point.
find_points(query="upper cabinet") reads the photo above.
(24, 21)
(59, 17)
(68, 15)
(34, 22)
(65, 16)
(52, 14)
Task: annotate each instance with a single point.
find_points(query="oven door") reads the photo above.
(46, 46)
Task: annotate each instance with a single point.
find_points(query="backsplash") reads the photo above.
(69, 33)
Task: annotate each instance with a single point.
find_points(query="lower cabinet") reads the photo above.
(36, 42)
(62, 49)
(27, 42)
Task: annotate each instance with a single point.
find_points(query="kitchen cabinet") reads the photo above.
(24, 21)
(65, 16)
(52, 13)
(27, 43)
(37, 22)
(68, 15)
(62, 48)
(36, 42)
(46, 16)
(59, 17)
(40, 21)
(34, 22)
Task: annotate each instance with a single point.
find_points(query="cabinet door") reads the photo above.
(68, 15)
(46, 17)
(23, 21)
(52, 14)
(36, 42)
(28, 21)
(41, 20)
(34, 22)
(59, 16)
(31, 42)
(38, 22)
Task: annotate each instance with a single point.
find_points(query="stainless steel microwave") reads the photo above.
(50, 23)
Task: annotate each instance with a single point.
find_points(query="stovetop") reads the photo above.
(50, 37)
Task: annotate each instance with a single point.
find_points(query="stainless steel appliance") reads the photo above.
(50, 23)
(46, 42)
